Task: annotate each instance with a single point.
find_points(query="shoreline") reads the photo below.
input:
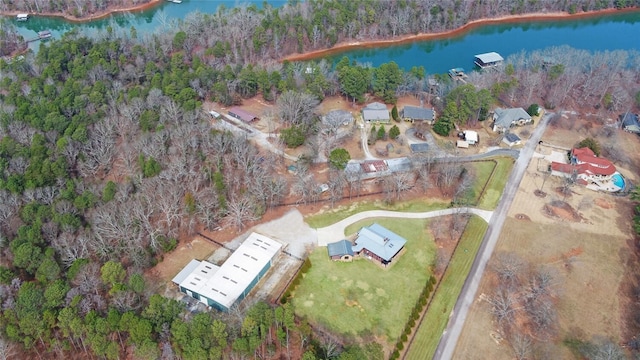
(507, 19)
(98, 16)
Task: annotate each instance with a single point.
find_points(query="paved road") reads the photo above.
(449, 338)
(335, 232)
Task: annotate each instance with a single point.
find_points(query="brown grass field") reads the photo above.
(588, 254)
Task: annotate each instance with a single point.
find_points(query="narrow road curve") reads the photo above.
(335, 232)
(364, 138)
(449, 339)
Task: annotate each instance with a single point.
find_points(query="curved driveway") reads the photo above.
(335, 232)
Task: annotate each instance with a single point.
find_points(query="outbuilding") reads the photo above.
(511, 139)
(223, 286)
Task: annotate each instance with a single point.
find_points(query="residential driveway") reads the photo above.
(335, 232)
(260, 137)
(449, 339)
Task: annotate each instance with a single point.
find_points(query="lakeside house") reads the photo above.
(503, 119)
(419, 114)
(223, 286)
(376, 112)
(335, 117)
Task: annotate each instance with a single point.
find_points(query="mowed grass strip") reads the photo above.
(482, 171)
(333, 216)
(360, 299)
(437, 316)
(495, 186)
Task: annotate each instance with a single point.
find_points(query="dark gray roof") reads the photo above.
(629, 119)
(417, 113)
(506, 117)
(380, 241)
(419, 148)
(375, 111)
(511, 137)
(341, 117)
(340, 248)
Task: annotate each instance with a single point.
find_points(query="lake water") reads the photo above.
(607, 32)
(611, 32)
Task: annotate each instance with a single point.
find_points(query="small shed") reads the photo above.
(340, 250)
(471, 137)
(462, 144)
(511, 139)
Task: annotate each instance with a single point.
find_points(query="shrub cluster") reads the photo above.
(296, 281)
(415, 316)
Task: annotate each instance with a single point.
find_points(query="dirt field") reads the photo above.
(584, 237)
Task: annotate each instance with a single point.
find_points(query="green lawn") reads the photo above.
(333, 216)
(360, 298)
(435, 320)
(496, 184)
(482, 170)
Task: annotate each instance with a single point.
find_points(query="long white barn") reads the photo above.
(222, 286)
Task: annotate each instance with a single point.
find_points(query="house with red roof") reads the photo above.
(588, 169)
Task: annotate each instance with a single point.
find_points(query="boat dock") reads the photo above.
(488, 60)
(42, 35)
(457, 74)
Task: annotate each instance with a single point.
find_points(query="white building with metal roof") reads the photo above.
(222, 287)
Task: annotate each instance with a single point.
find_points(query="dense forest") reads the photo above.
(107, 158)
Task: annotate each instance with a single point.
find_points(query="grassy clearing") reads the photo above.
(333, 216)
(360, 298)
(496, 184)
(437, 316)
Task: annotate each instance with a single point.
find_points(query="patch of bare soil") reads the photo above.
(603, 203)
(562, 210)
(523, 217)
(540, 193)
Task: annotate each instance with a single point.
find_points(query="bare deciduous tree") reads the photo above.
(296, 108)
(508, 267)
(521, 345)
(503, 305)
(241, 210)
